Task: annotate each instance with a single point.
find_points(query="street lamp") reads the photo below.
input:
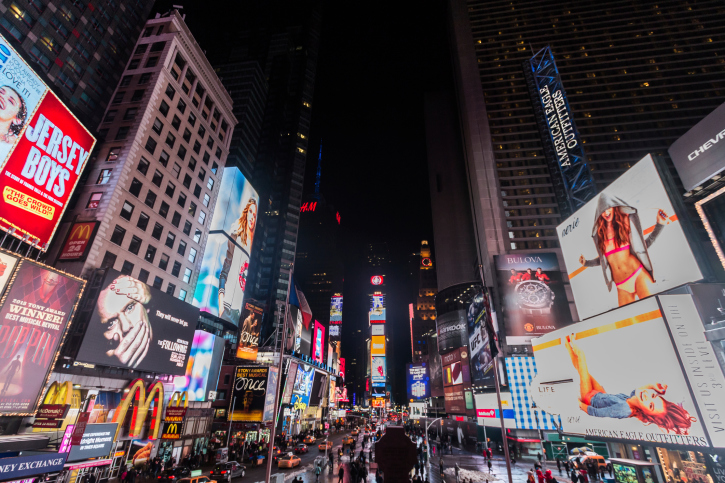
(538, 426)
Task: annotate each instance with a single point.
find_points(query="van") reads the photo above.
(601, 463)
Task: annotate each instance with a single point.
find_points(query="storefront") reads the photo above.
(681, 466)
(634, 471)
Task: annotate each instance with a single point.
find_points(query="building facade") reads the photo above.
(424, 315)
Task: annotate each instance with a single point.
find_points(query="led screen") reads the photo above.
(479, 317)
(377, 309)
(318, 346)
(250, 394)
(43, 150)
(625, 244)
(377, 348)
(202, 368)
(452, 330)
(138, 327)
(249, 333)
(224, 268)
(379, 372)
(417, 381)
(302, 387)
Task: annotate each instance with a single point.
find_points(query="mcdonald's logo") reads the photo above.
(171, 431)
(59, 393)
(175, 412)
(138, 399)
(78, 240)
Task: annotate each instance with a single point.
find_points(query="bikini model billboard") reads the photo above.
(626, 244)
(617, 376)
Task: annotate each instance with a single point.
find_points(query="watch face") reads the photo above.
(535, 295)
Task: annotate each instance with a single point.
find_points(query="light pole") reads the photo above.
(538, 426)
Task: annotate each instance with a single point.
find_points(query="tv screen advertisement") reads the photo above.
(417, 381)
(202, 368)
(625, 244)
(377, 347)
(37, 309)
(302, 387)
(479, 345)
(223, 276)
(377, 309)
(533, 295)
(272, 382)
(136, 326)
(250, 391)
(249, 333)
(379, 373)
(452, 330)
(336, 308)
(96, 442)
(318, 347)
(435, 367)
(592, 374)
(302, 331)
(43, 150)
(289, 382)
(319, 383)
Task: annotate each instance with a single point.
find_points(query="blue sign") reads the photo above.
(22, 466)
(417, 381)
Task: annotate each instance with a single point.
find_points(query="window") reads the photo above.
(144, 79)
(22, 15)
(122, 133)
(127, 268)
(187, 181)
(94, 201)
(218, 152)
(143, 275)
(201, 175)
(170, 188)
(143, 221)
(148, 32)
(170, 91)
(164, 108)
(170, 139)
(135, 187)
(181, 106)
(150, 254)
(118, 98)
(187, 275)
(206, 158)
(181, 250)
(176, 269)
(152, 62)
(135, 245)
(182, 200)
(130, 114)
(192, 164)
(109, 260)
(170, 239)
(197, 235)
(170, 289)
(214, 169)
(137, 95)
(118, 234)
(157, 231)
(176, 122)
(187, 229)
(113, 154)
(141, 49)
(202, 131)
(192, 209)
(103, 133)
(164, 158)
(187, 135)
(39, 56)
(192, 119)
(207, 198)
(151, 145)
(134, 64)
(164, 262)
(176, 170)
(158, 282)
(210, 143)
(104, 176)
(182, 294)
(127, 210)
(176, 219)
(110, 115)
(164, 209)
(197, 147)
(150, 199)
(66, 81)
(192, 254)
(202, 218)
(181, 152)
(158, 126)
(158, 46)
(197, 191)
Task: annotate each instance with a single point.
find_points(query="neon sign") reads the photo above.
(309, 206)
(376, 280)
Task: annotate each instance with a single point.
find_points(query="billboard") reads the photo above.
(302, 331)
(479, 318)
(454, 400)
(533, 296)
(377, 308)
(36, 311)
(7, 268)
(138, 327)
(250, 391)
(249, 335)
(452, 330)
(698, 154)
(96, 442)
(273, 380)
(417, 381)
(223, 275)
(379, 373)
(335, 318)
(289, 381)
(43, 150)
(78, 242)
(617, 375)
(435, 367)
(341, 369)
(377, 347)
(377, 329)
(626, 244)
(520, 372)
(319, 388)
(318, 345)
(709, 299)
(202, 368)
(487, 410)
(302, 387)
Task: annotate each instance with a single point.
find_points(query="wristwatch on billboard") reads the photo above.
(534, 297)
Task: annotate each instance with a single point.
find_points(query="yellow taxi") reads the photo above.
(197, 479)
(288, 461)
(347, 440)
(324, 445)
(355, 432)
(309, 440)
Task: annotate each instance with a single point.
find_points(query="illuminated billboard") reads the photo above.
(452, 328)
(289, 381)
(79, 240)
(377, 279)
(250, 394)
(37, 308)
(318, 343)
(417, 381)
(336, 308)
(224, 268)
(202, 368)
(377, 347)
(533, 295)
(617, 375)
(43, 150)
(135, 326)
(341, 370)
(249, 334)
(377, 309)
(626, 244)
(302, 387)
(379, 373)
(479, 315)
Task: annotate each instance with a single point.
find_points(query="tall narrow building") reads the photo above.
(423, 323)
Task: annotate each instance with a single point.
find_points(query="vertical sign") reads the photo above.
(78, 242)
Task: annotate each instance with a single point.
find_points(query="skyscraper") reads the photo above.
(423, 323)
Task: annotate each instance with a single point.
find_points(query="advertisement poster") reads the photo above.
(319, 386)
(709, 299)
(289, 382)
(318, 353)
(379, 373)
(250, 390)
(34, 317)
(435, 367)
(595, 379)
(377, 309)
(335, 317)
(249, 334)
(224, 268)
(43, 150)
(454, 400)
(268, 414)
(533, 296)
(479, 344)
(625, 244)
(78, 242)
(203, 366)
(302, 331)
(96, 442)
(7, 268)
(417, 381)
(452, 330)
(487, 410)
(138, 327)
(302, 386)
(377, 347)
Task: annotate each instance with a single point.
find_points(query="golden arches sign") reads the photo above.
(140, 400)
(59, 393)
(177, 398)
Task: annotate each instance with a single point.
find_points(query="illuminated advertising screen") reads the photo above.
(43, 150)
(96, 442)
(79, 240)
(272, 381)
(435, 367)
(478, 317)
(319, 387)
(592, 374)
(136, 326)
(336, 309)
(35, 314)
(302, 387)
(417, 381)
(709, 299)
(342, 367)
(452, 330)
(250, 391)
(249, 333)
(454, 400)
(202, 368)
(378, 329)
(302, 331)
(318, 346)
(8, 263)
(533, 295)
(289, 381)
(626, 244)
(224, 268)
(487, 409)
(334, 332)
(379, 373)
(377, 348)
(377, 309)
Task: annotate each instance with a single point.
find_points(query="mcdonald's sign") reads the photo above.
(139, 400)
(78, 241)
(172, 430)
(175, 412)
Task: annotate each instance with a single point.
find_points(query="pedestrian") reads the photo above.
(458, 469)
(601, 469)
(583, 476)
(558, 465)
(441, 467)
(92, 478)
(566, 466)
(340, 474)
(530, 477)
(490, 453)
(539, 475)
(489, 466)
(539, 456)
(332, 460)
(574, 476)
(318, 470)
(548, 477)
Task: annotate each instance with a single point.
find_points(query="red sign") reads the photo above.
(342, 367)
(40, 174)
(308, 206)
(486, 413)
(79, 429)
(174, 414)
(78, 241)
(376, 279)
(53, 411)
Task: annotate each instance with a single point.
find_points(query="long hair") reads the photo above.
(675, 418)
(241, 223)
(16, 127)
(620, 223)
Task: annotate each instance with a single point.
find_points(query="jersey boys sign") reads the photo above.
(43, 151)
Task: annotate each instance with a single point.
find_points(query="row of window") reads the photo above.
(109, 260)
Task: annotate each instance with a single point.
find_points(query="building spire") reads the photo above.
(319, 172)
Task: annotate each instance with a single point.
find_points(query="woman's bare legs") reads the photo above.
(588, 386)
(642, 284)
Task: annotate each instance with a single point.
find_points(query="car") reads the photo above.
(288, 461)
(355, 432)
(325, 445)
(309, 440)
(347, 440)
(174, 474)
(300, 448)
(222, 470)
(197, 479)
